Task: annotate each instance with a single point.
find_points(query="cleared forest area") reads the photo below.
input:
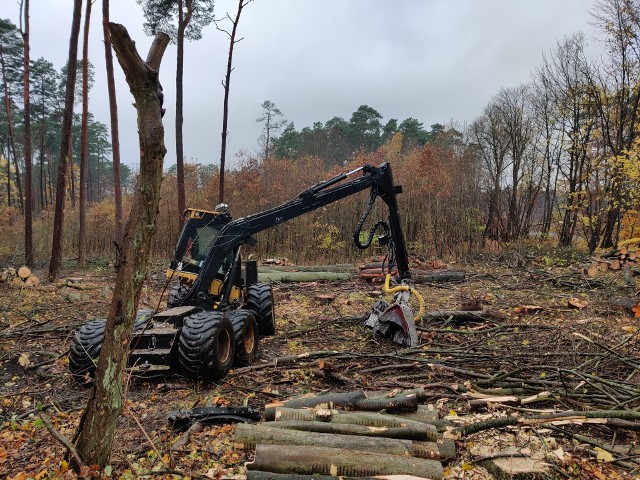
(547, 339)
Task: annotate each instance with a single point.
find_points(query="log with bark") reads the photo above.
(367, 419)
(292, 277)
(398, 403)
(330, 400)
(335, 461)
(420, 433)
(252, 435)
(377, 272)
(339, 268)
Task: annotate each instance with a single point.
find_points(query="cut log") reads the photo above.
(330, 400)
(422, 433)
(17, 282)
(324, 298)
(438, 276)
(577, 303)
(400, 403)
(32, 281)
(334, 461)
(614, 265)
(365, 419)
(593, 270)
(423, 414)
(4, 274)
(252, 435)
(340, 268)
(259, 475)
(24, 272)
(292, 277)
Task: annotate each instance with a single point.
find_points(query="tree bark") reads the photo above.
(183, 22)
(61, 182)
(252, 435)
(10, 133)
(417, 432)
(334, 461)
(28, 166)
(225, 109)
(329, 400)
(113, 115)
(84, 143)
(98, 422)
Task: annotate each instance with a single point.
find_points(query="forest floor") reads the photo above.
(585, 358)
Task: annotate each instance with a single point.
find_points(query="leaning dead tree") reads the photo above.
(97, 425)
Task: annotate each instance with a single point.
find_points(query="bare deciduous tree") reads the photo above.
(97, 425)
(84, 143)
(226, 83)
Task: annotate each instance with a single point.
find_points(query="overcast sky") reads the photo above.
(434, 60)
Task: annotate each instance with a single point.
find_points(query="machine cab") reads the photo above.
(199, 232)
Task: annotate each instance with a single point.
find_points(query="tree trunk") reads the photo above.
(10, 132)
(84, 142)
(113, 114)
(61, 182)
(179, 116)
(43, 194)
(225, 108)
(28, 166)
(8, 177)
(334, 461)
(72, 177)
(98, 422)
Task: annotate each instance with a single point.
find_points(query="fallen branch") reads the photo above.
(79, 465)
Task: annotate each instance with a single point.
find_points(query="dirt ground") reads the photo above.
(580, 359)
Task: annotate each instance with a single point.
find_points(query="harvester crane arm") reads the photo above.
(378, 179)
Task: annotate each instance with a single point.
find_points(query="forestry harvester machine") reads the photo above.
(216, 314)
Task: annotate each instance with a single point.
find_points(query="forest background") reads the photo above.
(555, 158)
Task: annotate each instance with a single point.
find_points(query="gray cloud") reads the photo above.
(434, 60)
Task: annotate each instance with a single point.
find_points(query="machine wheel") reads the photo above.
(260, 300)
(176, 294)
(87, 342)
(245, 332)
(206, 346)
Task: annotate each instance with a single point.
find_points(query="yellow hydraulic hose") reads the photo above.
(404, 288)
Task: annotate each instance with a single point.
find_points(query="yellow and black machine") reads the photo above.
(217, 313)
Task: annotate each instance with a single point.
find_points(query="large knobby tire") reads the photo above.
(206, 347)
(87, 342)
(260, 300)
(245, 332)
(176, 295)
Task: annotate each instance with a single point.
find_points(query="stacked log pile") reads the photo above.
(626, 255)
(347, 434)
(431, 271)
(21, 277)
